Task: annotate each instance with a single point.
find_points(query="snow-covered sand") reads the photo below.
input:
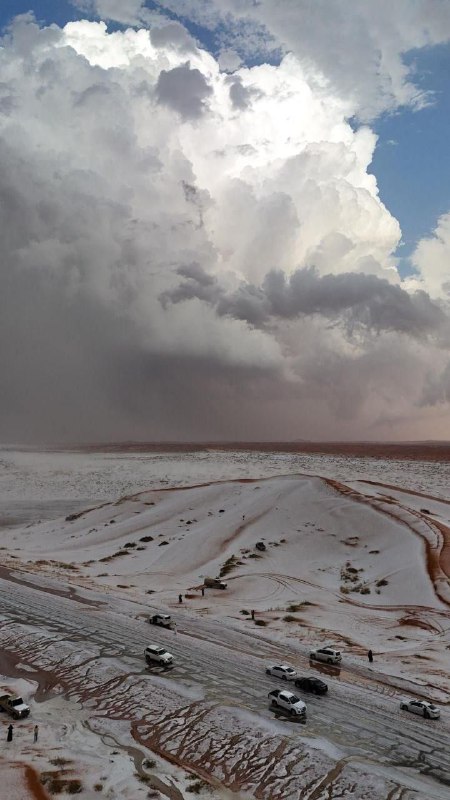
(352, 563)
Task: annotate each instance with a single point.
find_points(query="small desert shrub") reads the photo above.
(56, 784)
(382, 582)
(254, 555)
(283, 541)
(146, 539)
(230, 564)
(344, 590)
(261, 622)
(130, 544)
(196, 788)
(373, 552)
(98, 787)
(294, 607)
(163, 543)
(244, 611)
(74, 786)
(143, 778)
(290, 618)
(365, 590)
(149, 763)
(60, 762)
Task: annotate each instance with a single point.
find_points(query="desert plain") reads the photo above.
(357, 557)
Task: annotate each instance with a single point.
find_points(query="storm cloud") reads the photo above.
(158, 236)
(353, 298)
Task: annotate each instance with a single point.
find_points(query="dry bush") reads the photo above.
(197, 787)
(261, 622)
(230, 564)
(294, 607)
(74, 786)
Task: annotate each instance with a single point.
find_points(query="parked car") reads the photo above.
(314, 685)
(14, 706)
(161, 619)
(155, 654)
(421, 707)
(282, 671)
(215, 583)
(326, 654)
(288, 702)
(260, 546)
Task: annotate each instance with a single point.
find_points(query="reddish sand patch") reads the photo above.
(415, 622)
(415, 451)
(34, 785)
(20, 781)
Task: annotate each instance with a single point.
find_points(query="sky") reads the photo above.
(224, 220)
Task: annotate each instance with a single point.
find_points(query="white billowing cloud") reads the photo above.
(358, 49)
(181, 260)
(431, 259)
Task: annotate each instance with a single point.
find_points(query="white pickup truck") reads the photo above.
(288, 701)
(14, 706)
(155, 654)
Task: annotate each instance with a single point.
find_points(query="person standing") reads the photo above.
(203, 591)
(9, 736)
(36, 733)
(180, 598)
(370, 656)
(253, 614)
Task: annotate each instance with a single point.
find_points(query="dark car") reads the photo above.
(260, 546)
(314, 685)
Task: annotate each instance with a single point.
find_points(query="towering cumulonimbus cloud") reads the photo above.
(189, 253)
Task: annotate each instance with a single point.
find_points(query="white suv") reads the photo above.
(156, 654)
(326, 654)
(282, 671)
